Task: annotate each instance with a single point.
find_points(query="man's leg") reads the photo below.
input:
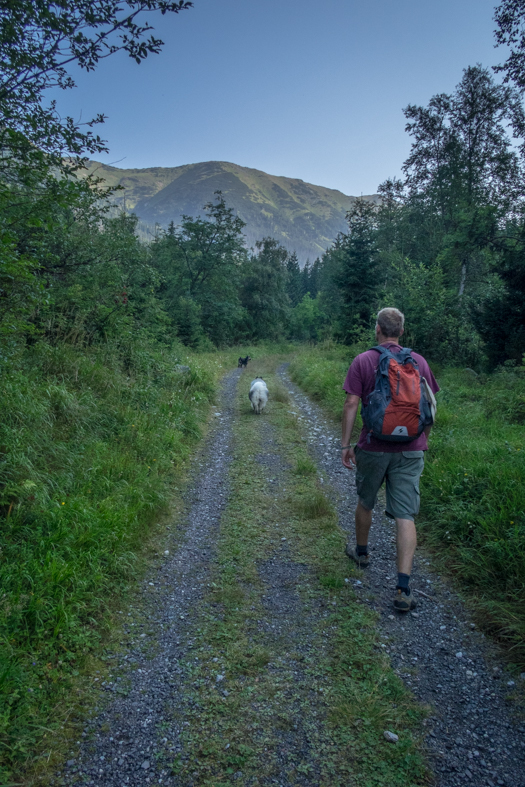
(406, 545)
(370, 472)
(402, 493)
(363, 522)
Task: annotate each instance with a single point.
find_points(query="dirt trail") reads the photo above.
(160, 685)
(475, 736)
(134, 738)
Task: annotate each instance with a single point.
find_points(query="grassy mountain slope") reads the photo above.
(299, 215)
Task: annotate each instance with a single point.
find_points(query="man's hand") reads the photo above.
(348, 458)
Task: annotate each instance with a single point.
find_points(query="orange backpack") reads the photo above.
(399, 407)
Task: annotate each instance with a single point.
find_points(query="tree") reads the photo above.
(510, 31)
(39, 41)
(358, 273)
(463, 175)
(314, 282)
(202, 260)
(294, 285)
(264, 291)
(305, 278)
(308, 320)
(500, 314)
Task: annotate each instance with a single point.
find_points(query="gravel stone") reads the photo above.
(391, 737)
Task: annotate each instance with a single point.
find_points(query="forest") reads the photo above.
(97, 327)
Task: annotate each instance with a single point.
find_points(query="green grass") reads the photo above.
(91, 442)
(350, 695)
(472, 490)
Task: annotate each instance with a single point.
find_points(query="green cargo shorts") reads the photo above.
(401, 471)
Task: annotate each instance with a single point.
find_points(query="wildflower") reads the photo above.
(63, 503)
(512, 523)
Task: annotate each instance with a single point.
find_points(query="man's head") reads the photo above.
(389, 325)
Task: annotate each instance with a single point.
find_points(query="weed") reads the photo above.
(314, 505)
(279, 393)
(305, 467)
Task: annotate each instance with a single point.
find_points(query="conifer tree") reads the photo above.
(305, 279)
(294, 281)
(358, 273)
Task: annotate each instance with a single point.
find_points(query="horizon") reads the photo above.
(315, 96)
(231, 163)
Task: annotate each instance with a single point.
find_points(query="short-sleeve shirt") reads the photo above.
(360, 381)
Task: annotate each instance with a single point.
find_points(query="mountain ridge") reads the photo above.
(302, 216)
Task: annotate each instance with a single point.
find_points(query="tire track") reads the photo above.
(475, 734)
(135, 735)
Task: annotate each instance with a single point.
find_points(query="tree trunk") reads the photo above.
(463, 278)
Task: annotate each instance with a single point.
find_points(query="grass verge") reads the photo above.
(289, 676)
(472, 491)
(91, 442)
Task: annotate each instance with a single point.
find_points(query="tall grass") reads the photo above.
(472, 490)
(90, 442)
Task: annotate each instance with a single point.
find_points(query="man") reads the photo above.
(376, 460)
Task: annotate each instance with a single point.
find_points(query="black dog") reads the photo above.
(243, 362)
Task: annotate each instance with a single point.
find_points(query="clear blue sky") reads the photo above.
(311, 90)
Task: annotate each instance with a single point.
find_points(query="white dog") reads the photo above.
(258, 394)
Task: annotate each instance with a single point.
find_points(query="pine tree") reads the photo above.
(358, 274)
(305, 279)
(294, 281)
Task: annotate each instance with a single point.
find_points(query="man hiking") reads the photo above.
(397, 417)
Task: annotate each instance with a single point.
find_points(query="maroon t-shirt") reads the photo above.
(360, 381)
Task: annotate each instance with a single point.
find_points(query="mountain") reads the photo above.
(301, 216)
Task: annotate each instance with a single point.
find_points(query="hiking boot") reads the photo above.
(361, 560)
(402, 602)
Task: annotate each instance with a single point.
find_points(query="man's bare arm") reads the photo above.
(349, 415)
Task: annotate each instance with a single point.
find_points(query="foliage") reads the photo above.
(264, 294)
(200, 265)
(309, 320)
(509, 17)
(294, 281)
(39, 41)
(445, 245)
(500, 314)
(353, 265)
(434, 325)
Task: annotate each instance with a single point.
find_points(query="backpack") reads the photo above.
(401, 404)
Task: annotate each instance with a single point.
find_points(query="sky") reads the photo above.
(310, 89)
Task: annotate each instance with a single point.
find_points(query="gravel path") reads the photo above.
(475, 735)
(137, 732)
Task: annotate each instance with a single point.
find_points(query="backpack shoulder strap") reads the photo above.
(381, 350)
(406, 355)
